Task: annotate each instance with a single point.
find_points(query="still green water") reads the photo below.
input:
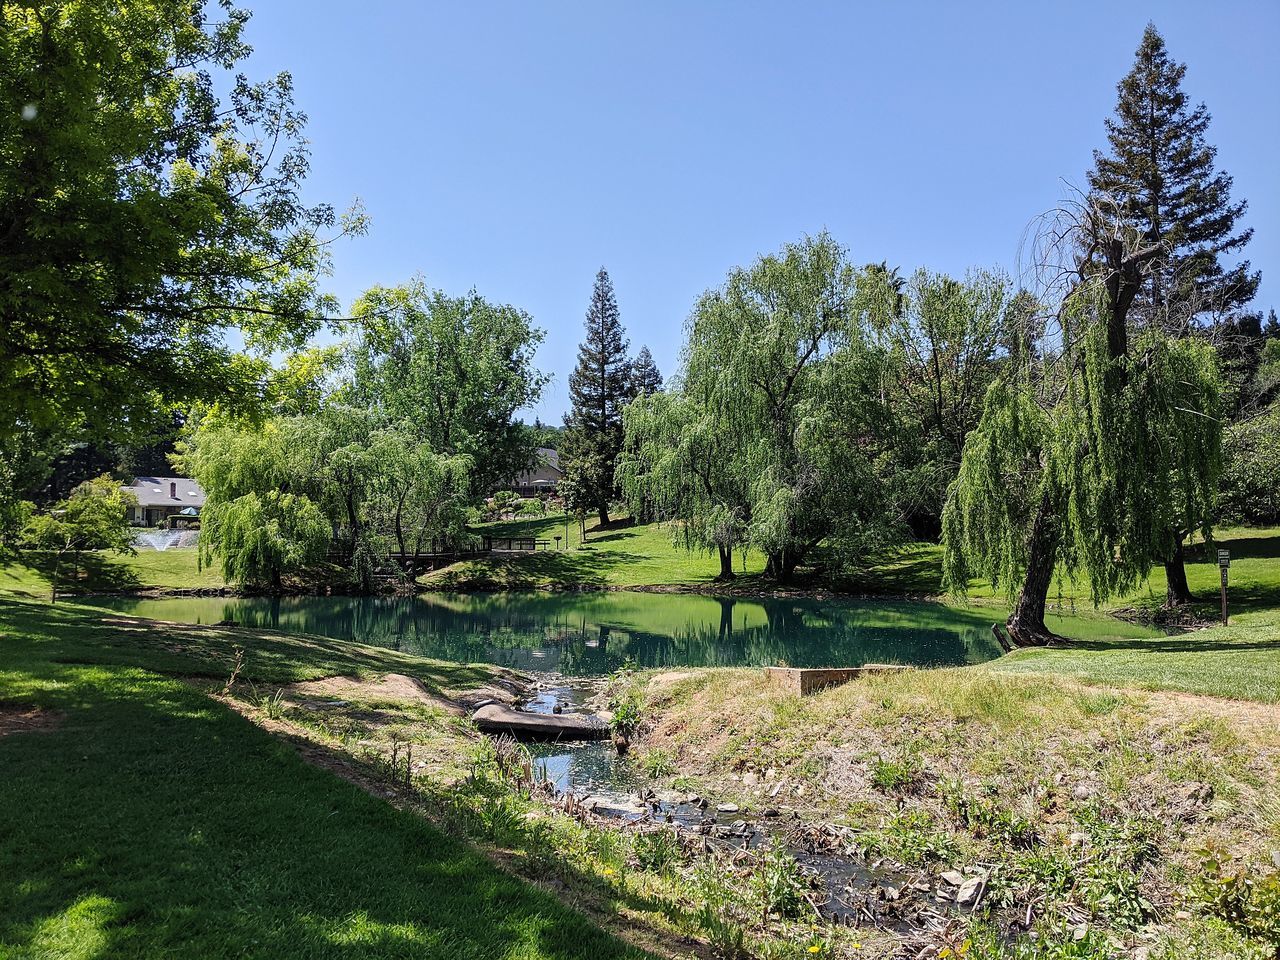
(591, 634)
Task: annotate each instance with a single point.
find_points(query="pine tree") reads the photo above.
(645, 377)
(599, 387)
(1161, 172)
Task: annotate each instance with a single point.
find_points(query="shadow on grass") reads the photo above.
(585, 567)
(90, 573)
(63, 635)
(1180, 643)
(158, 823)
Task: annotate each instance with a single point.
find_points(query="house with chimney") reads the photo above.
(165, 501)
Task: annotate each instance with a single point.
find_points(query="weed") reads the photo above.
(658, 851)
(903, 775)
(911, 837)
(1248, 900)
(658, 763)
(987, 817)
(272, 705)
(237, 664)
(780, 884)
(502, 819)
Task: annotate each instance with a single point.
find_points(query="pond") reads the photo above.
(592, 634)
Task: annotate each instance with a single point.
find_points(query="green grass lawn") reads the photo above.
(622, 555)
(153, 821)
(1240, 660)
(175, 569)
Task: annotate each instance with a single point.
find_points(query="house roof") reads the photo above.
(154, 492)
(550, 457)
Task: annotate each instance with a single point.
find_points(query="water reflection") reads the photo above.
(589, 634)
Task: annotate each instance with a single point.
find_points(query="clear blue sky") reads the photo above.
(516, 147)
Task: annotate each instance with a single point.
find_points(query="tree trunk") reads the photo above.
(604, 517)
(1175, 572)
(726, 563)
(1026, 624)
(276, 584)
(781, 566)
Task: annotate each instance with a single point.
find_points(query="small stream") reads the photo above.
(614, 787)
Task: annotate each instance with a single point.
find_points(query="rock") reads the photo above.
(968, 892)
(1078, 839)
(953, 877)
(749, 779)
(771, 811)
(771, 774)
(1275, 857)
(1080, 932)
(1141, 953)
(1182, 915)
(1082, 792)
(726, 808)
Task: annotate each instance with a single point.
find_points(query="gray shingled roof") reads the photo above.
(154, 492)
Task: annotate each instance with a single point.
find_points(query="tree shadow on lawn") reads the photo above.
(585, 567)
(63, 635)
(1263, 548)
(1178, 643)
(91, 573)
(159, 823)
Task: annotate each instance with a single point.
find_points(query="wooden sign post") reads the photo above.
(1224, 562)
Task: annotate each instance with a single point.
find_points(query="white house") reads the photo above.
(162, 497)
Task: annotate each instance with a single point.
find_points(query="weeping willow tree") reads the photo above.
(768, 439)
(1089, 440)
(677, 465)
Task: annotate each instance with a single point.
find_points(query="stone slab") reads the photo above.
(803, 681)
(497, 718)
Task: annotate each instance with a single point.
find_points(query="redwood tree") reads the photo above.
(1161, 172)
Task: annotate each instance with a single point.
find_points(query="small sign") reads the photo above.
(1224, 558)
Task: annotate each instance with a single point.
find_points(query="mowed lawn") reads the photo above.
(149, 820)
(176, 569)
(1240, 660)
(621, 555)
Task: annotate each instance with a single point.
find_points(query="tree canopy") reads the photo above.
(456, 370)
(770, 436)
(600, 386)
(142, 214)
(1161, 172)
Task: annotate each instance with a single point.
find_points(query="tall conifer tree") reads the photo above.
(599, 387)
(645, 376)
(1161, 173)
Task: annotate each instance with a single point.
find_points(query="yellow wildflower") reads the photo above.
(944, 952)
(608, 871)
(815, 949)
